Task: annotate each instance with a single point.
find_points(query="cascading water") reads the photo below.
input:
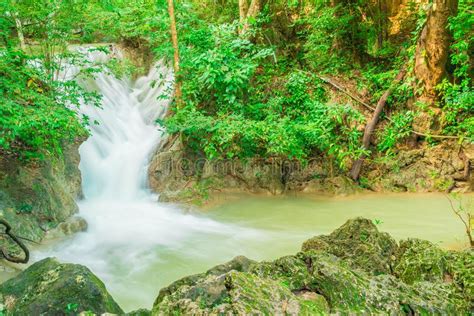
(135, 244)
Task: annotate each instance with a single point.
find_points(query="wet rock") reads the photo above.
(237, 293)
(71, 226)
(239, 263)
(360, 243)
(51, 288)
(37, 196)
(341, 273)
(308, 283)
(460, 266)
(353, 291)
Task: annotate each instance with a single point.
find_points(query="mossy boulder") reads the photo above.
(229, 289)
(460, 266)
(35, 196)
(348, 290)
(308, 283)
(420, 261)
(51, 288)
(360, 243)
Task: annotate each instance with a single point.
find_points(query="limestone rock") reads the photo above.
(36, 196)
(71, 226)
(360, 243)
(51, 288)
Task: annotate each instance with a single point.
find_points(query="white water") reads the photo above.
(130, 234)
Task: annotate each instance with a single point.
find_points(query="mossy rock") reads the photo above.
(36, 196)
(460, 267)
(139, 312)
(228, 289)
(239, 263)
(309, 283)
(51, 288)
(420, 260)
(354, 291)
(360, 243)
(290, 271)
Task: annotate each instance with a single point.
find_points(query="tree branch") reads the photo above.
(17, 241)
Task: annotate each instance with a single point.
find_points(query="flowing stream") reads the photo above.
(137, 245)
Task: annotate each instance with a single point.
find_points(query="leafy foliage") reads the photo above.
(231, 109)
(458, 96)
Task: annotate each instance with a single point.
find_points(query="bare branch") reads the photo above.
(17, 241)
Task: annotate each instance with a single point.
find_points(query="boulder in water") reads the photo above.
(51, 288)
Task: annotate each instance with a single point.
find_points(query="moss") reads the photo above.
(460, 267)
(290, 271)
(360, 243)
(309, 283)
(48, 287)
(420, 260)
(226, 290)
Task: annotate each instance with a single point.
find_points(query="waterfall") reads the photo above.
(134, 243)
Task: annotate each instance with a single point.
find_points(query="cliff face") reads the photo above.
(36, 197)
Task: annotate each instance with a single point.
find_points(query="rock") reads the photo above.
(139, 312)
(308, 283)
(230, 289)
(239, 263)
(426, 169)
(71, 226)
(352, 291)
(49, 287)
(419, 260)
(36, 196)
(360, 243)
(460, 266)
(237, 293)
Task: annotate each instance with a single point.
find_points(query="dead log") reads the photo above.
(370, 127)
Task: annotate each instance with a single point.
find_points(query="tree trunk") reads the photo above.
(19, 30)
(370, 127)
(174, 40)
(243, 8)
(252, 12)
(432, 48)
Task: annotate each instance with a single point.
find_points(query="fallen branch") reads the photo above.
(328, 81)
(355, 98)
(17, 241)
(369, 129)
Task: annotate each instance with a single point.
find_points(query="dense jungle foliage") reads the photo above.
(253, 83)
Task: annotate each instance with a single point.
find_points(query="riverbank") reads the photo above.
(179, 174)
